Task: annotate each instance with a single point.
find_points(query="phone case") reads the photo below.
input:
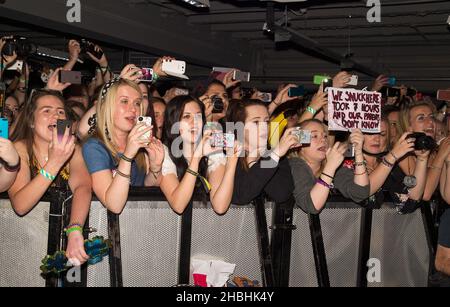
(241, 75)
(174, 67)
(147, 75)
(73, 77)
(318, 79)
(296, 91)
(147, 120)
(303, 136)
(353, 80)
(4, 128)
(61, 126)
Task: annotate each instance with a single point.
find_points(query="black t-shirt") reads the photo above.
(274, 182)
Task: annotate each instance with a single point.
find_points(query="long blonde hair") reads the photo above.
(105, 113)
(297, 152)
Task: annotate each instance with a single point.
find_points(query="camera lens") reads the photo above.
(217, 103)
(140, 118)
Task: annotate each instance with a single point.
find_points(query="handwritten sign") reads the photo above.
(353, 109)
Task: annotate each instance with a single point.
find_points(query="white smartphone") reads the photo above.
(353, 80)
(174, 68)
(16, 66)
(147, 120)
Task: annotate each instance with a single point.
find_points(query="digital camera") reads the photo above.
(20, 45)
(423, 141)
(218, 105)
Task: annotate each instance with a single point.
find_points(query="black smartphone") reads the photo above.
(61, 126)
(296, 91)
(68, 76)
(326, 84)
(87, 46)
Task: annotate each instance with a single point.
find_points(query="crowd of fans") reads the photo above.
(106, 149)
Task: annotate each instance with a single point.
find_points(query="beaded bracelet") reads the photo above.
(311, 110)
(47, 175)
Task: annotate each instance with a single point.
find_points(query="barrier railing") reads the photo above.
(153, 246)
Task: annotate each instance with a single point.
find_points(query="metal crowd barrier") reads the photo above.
(276, 244)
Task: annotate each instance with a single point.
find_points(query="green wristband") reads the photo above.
(47, 175)
(311, 110)
(72, 229)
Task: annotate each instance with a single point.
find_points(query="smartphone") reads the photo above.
(16, 66)
(326, 84)
(220, 139)
(318, 79)
(61, 126)
(87, 46)
(353, 80)
(296, 91)
(147, 121)
(68, 76)
(241, 76)
(266, 97)
(390, 92)
(443, 95)
(181, 91)
(350, 153)
(392, 81)
(222, 69)
(147, 75)
(174, 67)
(303, 136)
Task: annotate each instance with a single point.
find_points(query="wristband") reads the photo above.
(311, 110)
(329, 186)
(394, 156)
(47, 175)
(73, 228)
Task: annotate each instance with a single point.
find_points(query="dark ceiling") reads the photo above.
(412, 41)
